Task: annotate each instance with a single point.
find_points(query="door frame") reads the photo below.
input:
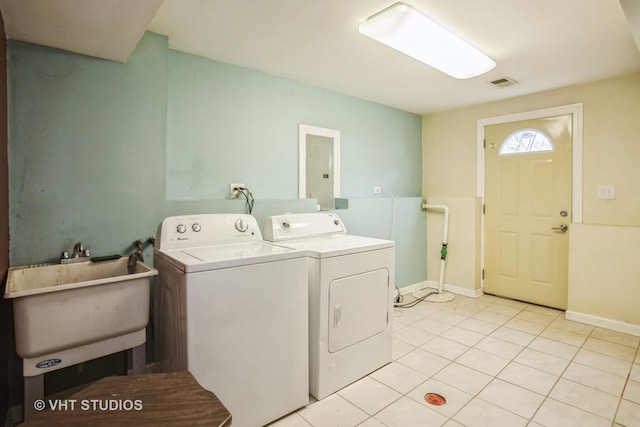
(576, 160)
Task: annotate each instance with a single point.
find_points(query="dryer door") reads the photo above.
(358, 308)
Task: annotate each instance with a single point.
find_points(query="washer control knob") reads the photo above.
(241, 225)
(181, 228)
(196, 227)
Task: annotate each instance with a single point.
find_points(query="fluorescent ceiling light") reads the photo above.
(413, 34)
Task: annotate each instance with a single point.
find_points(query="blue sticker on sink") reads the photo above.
(48, 363)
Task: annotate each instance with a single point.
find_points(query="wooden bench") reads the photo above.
(166, 399)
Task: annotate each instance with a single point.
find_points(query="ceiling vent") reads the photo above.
(504, 82)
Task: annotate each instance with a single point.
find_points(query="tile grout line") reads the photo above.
(626, 383)
(620, 398)
(570, 361)
(451, 418)
(433, 375)
(469, 312)
(548, 395)
(529, 420)
(560, 376)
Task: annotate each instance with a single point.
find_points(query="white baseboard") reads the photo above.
(413, 288)
(473, 293)
(603, 322)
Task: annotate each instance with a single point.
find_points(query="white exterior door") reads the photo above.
(528, 209)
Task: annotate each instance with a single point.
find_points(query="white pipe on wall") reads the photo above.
(443, 253)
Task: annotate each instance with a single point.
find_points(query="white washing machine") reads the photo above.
(351, 282)
(232, 310)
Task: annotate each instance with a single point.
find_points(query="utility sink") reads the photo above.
(69, 313)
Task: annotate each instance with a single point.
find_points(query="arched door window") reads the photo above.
(526, 141)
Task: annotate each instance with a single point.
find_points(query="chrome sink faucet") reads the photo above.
(80, 253)
(78, 250)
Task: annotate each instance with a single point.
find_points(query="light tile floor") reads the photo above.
(497, 362)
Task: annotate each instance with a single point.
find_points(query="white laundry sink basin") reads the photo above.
(85, 306)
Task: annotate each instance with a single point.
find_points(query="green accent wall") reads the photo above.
(101, 152)
(230, 124)
(86, 149)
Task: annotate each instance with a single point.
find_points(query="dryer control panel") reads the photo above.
(187, 231)
(279, 228)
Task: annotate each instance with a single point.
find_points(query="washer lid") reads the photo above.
(214, 257)
(339, 244)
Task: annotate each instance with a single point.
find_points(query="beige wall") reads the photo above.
(604, 275)
(611, 155)
(463, 242)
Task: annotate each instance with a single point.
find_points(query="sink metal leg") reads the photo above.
(139, 360)
(33, 390)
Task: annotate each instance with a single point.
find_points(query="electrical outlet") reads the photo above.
(233, 188)
(377, 190)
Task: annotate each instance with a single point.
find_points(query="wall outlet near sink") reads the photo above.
(233, 188)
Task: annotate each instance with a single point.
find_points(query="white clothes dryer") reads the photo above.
(232, 309)
(351, 282)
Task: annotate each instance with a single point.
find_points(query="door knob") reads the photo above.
(563, 228)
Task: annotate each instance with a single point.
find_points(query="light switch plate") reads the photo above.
(606, 192)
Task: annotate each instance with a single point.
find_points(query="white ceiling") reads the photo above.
(543, 44)
(108, 29)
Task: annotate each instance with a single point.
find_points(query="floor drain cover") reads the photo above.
(434, 399)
